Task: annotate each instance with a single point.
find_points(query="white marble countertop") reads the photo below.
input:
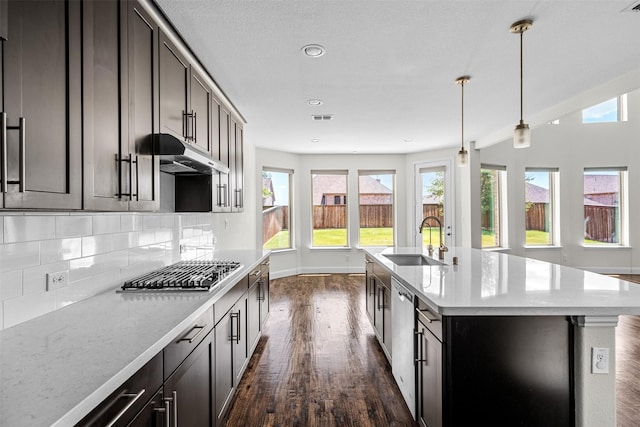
(56, 368)
(493, 283)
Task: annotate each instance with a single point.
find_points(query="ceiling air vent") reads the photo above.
(321, 117)
(635, 7)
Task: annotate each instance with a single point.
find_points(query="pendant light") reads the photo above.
(462, 158)
(522, 133)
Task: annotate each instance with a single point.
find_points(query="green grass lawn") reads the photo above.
(329, 237)
(376, 236)
(489, 239)
(279, 241)
(537, 237)
(338, 237)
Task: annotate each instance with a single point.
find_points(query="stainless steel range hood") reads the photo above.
(177, 157)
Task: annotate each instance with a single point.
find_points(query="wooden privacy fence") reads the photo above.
(371, 216)
(274, 220)
(600, 223)
(536, 217)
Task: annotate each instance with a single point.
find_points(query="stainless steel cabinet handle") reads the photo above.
(239, 328)
(192, 338)
(22, 166)
(226, 195)
(175, 408)
(3, 151)
(194, 128)
(260, 290)
(255, 272)
(420, 334)
(134, 398)
(232, 316)
(426, 314)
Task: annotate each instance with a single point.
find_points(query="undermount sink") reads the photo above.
(412, 259)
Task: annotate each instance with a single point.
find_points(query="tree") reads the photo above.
(436, 190)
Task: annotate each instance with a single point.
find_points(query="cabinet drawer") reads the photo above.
(430, 319)
(254, 276)
(227, 301)
(124, 403)
(264, 267)
(186, 342)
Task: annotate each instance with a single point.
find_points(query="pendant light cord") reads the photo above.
(521, 80)
(462, 111)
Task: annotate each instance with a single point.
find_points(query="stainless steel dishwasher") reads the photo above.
(402, 343)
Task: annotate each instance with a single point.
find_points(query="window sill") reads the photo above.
(501, 249)
(330, 248)
(607, 247)
(542, 247)
(283, 251)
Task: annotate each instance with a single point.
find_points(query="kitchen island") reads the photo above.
(56, 368)
(514, 330)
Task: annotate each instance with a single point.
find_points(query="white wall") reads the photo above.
(571, 146)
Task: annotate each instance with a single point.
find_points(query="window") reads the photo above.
(613, 110)
(329, 216)
(432, 181)
(375, 198)
(276, 208)
(493, 205)
(540, 206)
(605, 216)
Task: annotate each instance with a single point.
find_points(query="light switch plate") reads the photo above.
(599, 360)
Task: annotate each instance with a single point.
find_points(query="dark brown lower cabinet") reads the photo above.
(495, 371)
(188, 391)
(153, 414)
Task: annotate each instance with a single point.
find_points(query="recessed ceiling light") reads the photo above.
(314, 140)
(315, 102)
(313, 50)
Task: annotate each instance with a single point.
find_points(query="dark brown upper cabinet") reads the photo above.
(185, 98)
(120, 112)
(41, 111)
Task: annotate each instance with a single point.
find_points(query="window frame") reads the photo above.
(290, 206)
(554, 207)
(622, 114)
(503, 221)
(341, 172)
(391, 172)
(623, 207)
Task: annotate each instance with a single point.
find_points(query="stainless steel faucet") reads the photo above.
(442, 249)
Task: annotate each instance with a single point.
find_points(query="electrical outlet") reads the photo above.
(57, 280)
(599, 360)
(226, 223)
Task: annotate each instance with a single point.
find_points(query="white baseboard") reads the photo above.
(315, 270)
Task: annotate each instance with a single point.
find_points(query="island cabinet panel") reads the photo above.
(263, 292)
(494, 370)
(42, 113)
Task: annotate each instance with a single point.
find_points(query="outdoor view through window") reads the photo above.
(539, 206)
(432, 203)
(602, 196)
(329, 210)
(375, 198)
(276, 212)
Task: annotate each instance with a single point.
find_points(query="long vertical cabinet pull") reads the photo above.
(21, 128)
(3, 151)
(420, 359)
(239, 328)
(168, 403)
(261, 289)
(233, 337)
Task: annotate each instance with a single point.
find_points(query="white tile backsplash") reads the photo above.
(99, 251)
(73, 226)
(28, 228)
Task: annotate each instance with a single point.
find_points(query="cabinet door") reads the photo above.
(42, 96)
(174, 87)
(188, 390)
(370, 290)
(240, 344)
(223, 191)
(378, 322)
(201, 109)
(386, 313)
(104, 131)
(141, 179)
(253, 315)
(238, 205)
(223, 365)
(429, 378)
(153, 414)
(264, 295)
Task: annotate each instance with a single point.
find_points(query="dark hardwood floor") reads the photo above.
(318, 362)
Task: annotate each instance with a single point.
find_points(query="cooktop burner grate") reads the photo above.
(184, 275)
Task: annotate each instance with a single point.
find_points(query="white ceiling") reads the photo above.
(389, 70)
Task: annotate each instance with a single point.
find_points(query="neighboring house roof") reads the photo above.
(601, 184)
(535, 193)
(589, 202)
(328, 184)
(371, 185)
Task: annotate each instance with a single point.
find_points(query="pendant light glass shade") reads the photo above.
(522, 133)
(462, 159)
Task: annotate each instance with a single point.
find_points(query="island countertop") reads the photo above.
(56, 368)
(494, 283)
